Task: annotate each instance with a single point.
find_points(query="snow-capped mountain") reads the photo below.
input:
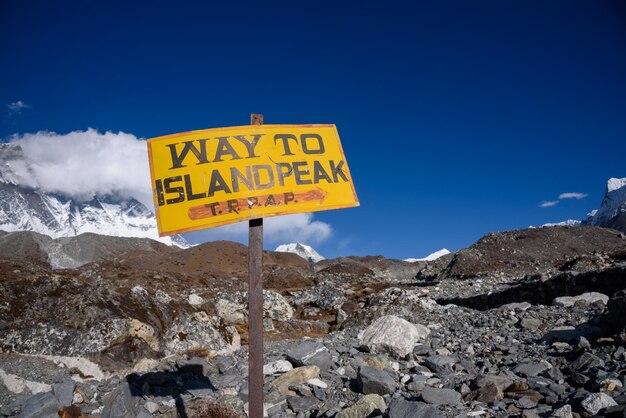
(430, 257)
(29, 209)
(612, 211)
(304, 251)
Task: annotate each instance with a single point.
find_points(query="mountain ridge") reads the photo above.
(27, 208)
(305, 251)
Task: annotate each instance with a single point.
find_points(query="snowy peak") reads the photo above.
(304, 251)
(27, 208)
(430, 257)
(612, 211)
(615, 184)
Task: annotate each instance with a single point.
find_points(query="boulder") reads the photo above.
(393, 335)
(374, 380)
(119, 403)
(401, 408)
(201, 332)
(441, 396)
(297, 376)
(195, 300)
(364, 407)
(563, 412)
(302, 403)
(596, 402)
(589, 298)
(439, 363)
(64, 392)
(41, 405)
(275, 306)
(532, 369)
(309, 353)
(276, 367)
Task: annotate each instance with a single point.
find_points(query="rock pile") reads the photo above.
(362, 340)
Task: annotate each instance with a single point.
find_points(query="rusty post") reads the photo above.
(255, 309)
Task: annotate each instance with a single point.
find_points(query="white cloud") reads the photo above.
(16, 108)
(81, 164)
(299, 227)
(572, 195)
(549, 203)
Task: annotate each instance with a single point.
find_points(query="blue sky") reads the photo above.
(457, 118)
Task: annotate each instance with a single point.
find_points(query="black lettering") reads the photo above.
(237, 175)
(319, 173)
(250, 145)
(177, 159)
(253, 201)
(233, 205)
(283, 170)
(189, 191)
(212, 206)
(337, 170)
(159, 192)
(256, 170)
(270, 201)
(289, 197)
(285, 138)
(299, 171)
(305, 147)
(217, 183)
(178, 190)
(224, 148)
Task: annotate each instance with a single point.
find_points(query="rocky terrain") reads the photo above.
(522, 323)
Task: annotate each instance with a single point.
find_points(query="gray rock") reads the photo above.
(373, 380)
(441, 396)
(41, 405)
(595, 402)
(364, 407)
(401, 408)
(439, 363)
(119, 403)
(532, 369)
(143, 413)
(526, 403)
(586, 361)
(310, 353)
(276, 367)
(563, 412)
(490, 388)
(302, 403)
(64, 392)
(590, 297)
(531, 324)
(519, 306)
(392, 335)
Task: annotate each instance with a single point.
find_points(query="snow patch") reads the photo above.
(430, 257)
(304, 251)
(569, 222)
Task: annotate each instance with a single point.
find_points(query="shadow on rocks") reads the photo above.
(183, 384)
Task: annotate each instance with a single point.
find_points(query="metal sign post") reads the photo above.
(212, 177)
(255, 309)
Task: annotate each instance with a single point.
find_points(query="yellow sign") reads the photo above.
(202, 179)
